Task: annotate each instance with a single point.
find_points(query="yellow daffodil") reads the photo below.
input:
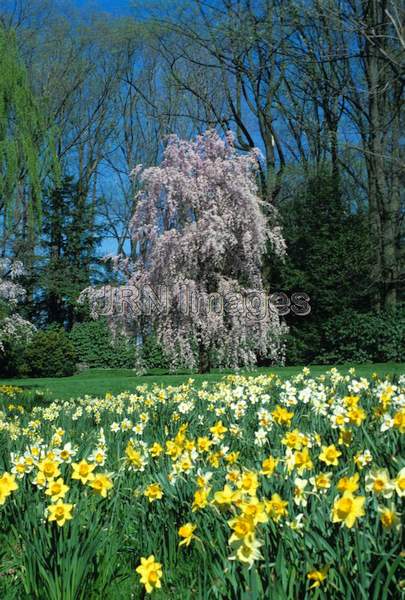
(330, 455)
(276, 507)
(241, 526)
(151, 573)
(389, 518)
(200, 499)
(282, 416)
(348, 484)
(399, 483)
(248, 483)
(153, 492)
(218, 430)
(83, 471)
(399, 420)
(101, 484)
(268, 466)
(49, 467)
(60, 512)
(156, 450)
(134, 458)
(317, 577)
(321, 482)
(301, 461)
(347, 509)
(254, 509)
(7, 485)
(186, 532)
(56, 489)
(226, 497)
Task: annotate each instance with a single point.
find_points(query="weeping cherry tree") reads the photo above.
(200, 232)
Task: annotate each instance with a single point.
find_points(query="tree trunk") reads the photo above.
(204, 365)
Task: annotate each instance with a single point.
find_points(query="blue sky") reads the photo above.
(116, 7)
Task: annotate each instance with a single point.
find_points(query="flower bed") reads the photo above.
(250, 488)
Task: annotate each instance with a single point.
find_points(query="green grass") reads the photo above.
(97, 382)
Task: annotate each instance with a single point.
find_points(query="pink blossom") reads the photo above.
(199, 224)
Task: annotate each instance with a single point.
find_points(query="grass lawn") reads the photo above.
(97, 382)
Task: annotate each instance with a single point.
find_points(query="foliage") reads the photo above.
(152, 353)
(22, 133)
(70, 238)
(329, 258)
(252, 488)
(50, 353)
(96, 346)
(363, 337)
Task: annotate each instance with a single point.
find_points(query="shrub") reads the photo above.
(152, 353)
(50, 354)
(96, 347)
(363, 337)
(15, 335)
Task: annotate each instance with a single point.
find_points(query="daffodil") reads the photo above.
(49, 467)
(218, 430)
(60, 512)
(276, 507)
(347, 509)
(349, 484)
(378, 481)
(153, 492)
(248, 483)
(330, 455)
(226, 497)
(248, 551)
(66, 453)
(254, 509)
(268, 466)
(321, 482)
(56, 489)
(156, 450)
(7, 485)
(200, 499)
(101, 484)
(186, 532)
(135, 458)
(151, 573)
(317, 576)
(399, 420)
(282, 416)
(389, 518)
(83, 471)
(300, 494)
(242, 525)
(399, 483)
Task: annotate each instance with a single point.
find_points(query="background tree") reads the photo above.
(23, 143)
(71, 236)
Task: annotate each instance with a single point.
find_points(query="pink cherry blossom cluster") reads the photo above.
(199, 222)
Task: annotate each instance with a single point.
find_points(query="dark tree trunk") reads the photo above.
(204, 365)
